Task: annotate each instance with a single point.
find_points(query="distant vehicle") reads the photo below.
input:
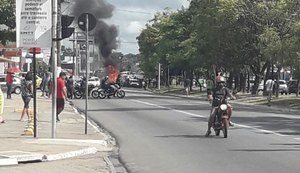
(292, 86)
(260, 86)
(38, 79)
(283, 88)
(16, 87)
(94, 81)
(134, 83)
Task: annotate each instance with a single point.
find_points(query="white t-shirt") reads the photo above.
(269, 85)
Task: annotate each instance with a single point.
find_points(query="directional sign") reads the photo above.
(36, 51)
(82, 21)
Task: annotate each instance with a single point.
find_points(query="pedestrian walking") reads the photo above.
(61, 94)
(9, 81)
(187, 83)
(269, 89)
(45, 86)
(27, 94)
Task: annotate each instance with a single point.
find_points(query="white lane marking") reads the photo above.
(260, 130)
(88, 121)
(175, 110)
(202, 116)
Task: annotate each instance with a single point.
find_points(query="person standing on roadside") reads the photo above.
(70, 87)
(269, 89)
(61, 94)
(26, 90)
(187, 83)
(9, 81)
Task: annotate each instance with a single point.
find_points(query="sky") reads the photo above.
(130, 17)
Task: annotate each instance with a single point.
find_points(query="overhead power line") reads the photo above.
(134, 11)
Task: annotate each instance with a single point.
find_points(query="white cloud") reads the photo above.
(134, 27)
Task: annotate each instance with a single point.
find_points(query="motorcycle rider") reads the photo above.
(219, 92)
(108, 86)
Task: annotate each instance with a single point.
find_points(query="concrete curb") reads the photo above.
(5, 161)
(29, 158)
(33, 158)
(82, 152)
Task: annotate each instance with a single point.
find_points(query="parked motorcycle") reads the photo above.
(78, 93)
(222, 119)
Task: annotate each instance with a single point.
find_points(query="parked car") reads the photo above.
(94, 81)
(134, 83)
(283, 88)
(292, 86)
(16, 87)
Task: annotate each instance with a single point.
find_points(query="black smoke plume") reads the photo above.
(105, 35)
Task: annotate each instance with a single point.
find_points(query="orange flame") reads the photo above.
(112, 73)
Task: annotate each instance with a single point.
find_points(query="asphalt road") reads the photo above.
(164, 134)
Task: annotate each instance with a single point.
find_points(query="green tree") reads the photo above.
(7, 18)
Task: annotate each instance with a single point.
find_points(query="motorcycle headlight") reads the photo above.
(223, 107)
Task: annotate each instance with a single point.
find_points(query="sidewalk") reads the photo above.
(75, 151)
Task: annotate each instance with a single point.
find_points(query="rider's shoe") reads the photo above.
(208, 132)
(231, 123)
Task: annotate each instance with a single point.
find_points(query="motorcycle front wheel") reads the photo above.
(225, 127)
(120, 94)
(101, 95)
(217, 132)
(95, 94)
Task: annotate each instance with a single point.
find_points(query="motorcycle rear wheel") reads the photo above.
(77, 95)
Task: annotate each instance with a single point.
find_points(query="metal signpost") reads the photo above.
(86, 22)
(53, 68)
(33, 37)
(34, 51)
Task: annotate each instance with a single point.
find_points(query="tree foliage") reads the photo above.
(233, 35)
(7, 18)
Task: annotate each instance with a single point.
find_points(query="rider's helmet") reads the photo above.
(220, 81)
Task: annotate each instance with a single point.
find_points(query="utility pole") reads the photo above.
(158, 81)
(53, 68)
(58, 35)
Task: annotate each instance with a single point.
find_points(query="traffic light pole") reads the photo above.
(87, 71)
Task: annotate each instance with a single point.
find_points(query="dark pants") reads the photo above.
(9, 90)
(60, 105)
(70, 91)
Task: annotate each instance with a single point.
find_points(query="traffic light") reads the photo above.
(66, 21)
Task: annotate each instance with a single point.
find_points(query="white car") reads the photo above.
(16, 87)
(94, 81)
(134, 83)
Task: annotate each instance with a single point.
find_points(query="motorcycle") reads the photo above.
(221, 118)
(103, 93)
